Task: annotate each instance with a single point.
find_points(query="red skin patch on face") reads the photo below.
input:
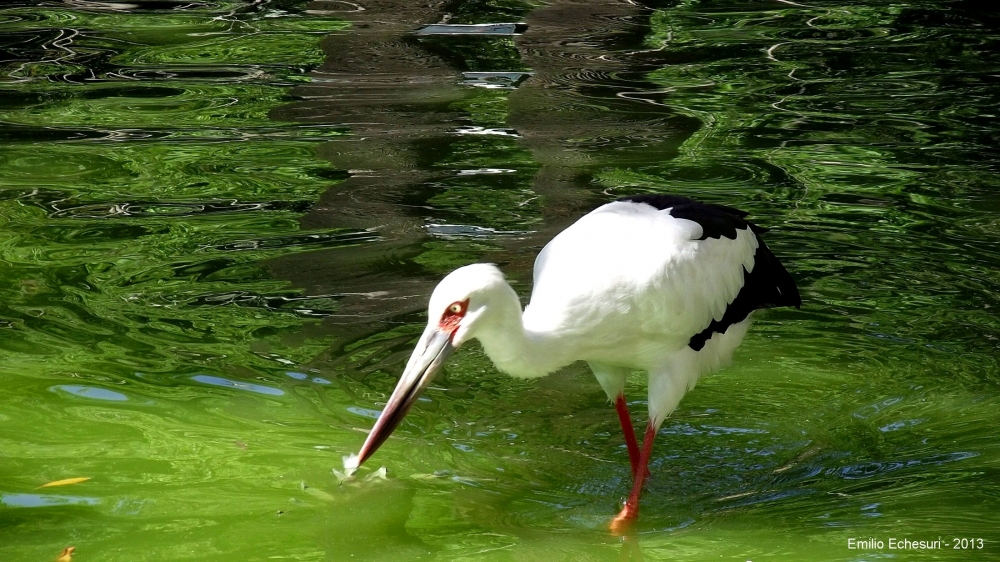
(451, 319)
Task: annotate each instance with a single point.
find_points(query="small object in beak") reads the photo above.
(342, 477)
(350, 467)
(351, 464)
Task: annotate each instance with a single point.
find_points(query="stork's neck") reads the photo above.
(513, 349)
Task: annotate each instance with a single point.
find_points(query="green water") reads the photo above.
(214, 255)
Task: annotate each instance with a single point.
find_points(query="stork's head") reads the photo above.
(460, 304)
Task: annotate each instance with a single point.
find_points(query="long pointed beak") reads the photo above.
(432, 350)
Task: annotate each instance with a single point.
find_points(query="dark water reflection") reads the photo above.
(223, 218)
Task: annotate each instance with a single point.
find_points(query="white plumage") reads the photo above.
(629, 274)
(661, 284)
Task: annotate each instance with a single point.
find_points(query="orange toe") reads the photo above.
(622, 523)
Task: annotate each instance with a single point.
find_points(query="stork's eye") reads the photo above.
(453, 315)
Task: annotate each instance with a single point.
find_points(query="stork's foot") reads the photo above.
(622, 523)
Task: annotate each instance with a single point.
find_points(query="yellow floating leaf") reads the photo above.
(67, 554)
(65, 482)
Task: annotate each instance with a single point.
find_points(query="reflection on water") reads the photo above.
(91, 392)
(45, 500)
(222, 220)
(249, 387)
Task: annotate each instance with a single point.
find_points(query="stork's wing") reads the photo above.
(665, 266)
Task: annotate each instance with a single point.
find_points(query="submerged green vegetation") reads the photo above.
(144, 183)
(183, 323)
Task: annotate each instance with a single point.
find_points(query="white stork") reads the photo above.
(656, 283)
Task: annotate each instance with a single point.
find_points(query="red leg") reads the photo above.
(630, 442)
(631, 510)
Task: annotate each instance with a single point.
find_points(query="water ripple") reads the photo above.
(170, 209)
(239, 385)
(45, 500)
(92, 392)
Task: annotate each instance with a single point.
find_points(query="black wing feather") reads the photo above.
(717, 221)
